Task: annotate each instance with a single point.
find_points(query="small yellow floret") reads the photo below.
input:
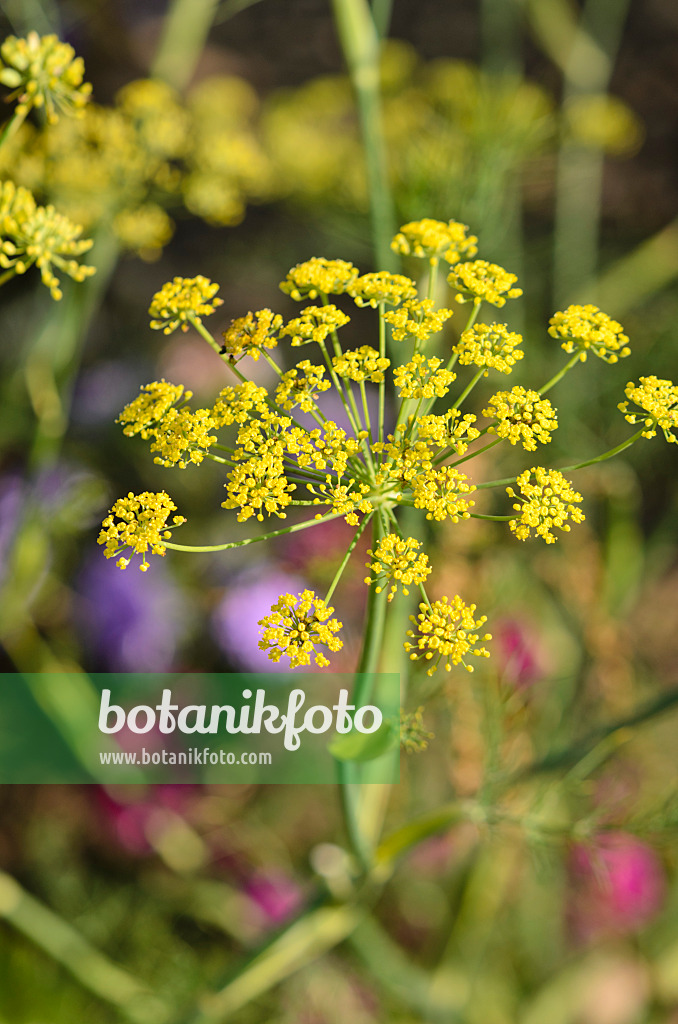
(433, 239)
(396, 559)
(361, 364)
(489, 345)
(521, 415)
(422, 378)
(318, 276)
(32, 234)
(314, 323)
(442, 492)
(447, 633)
(296, 626)
(44, 73)
(482, 281)
(418, 319)
(301, 387)
(543, 504)
(381, 287)
(142, 525)
(658, 400)
(182, 301)
(587, 329)
(155, 400)
(249, 334)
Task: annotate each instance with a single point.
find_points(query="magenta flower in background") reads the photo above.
(128, 823)
(128, 621)
(276, 895)
(517, 653)
(235, 620)
(617, 885)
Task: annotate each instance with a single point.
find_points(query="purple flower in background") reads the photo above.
(617, 886)
(128, 621)
(11, 500)
(277, 895)
(235, 620)
(518, 653)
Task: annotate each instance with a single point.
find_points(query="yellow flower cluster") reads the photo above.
(521, 415)
(38, 235)
(44, 73)
(490, 345)
(396, 559)
(296, 626)
(314, 323)
(142, 415)
(422, 378)
(449, 429)
(433, 239)
(318, 276)
(236, 403)
(347, 499)
(447, 632)
(329, 447)
(658, 400)
(176, 432)
(184, 433)
(361, 364)
(182, 302)
(142, 525)
(418, 319)
(301, 386)
(360, 471)
(249, 334)
(544, 504)
(482, 281)
(442, 493)
(587, 329)
(258, 485)
(381, 287)
(414, 736)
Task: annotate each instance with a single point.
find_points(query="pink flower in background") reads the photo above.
(617, 886)
(276, 894)
(517, 652)
(129, 822)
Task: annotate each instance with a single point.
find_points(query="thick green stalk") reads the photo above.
(587, 71)
(184, 34)
(368, 664)
(95, 972)
(361, 45)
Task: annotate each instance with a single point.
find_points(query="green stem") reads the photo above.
(95, 972)
(561, 373)
(579, 465)
(206, 548)
(12, 126)
(469, 387)
(606, 455)
(382, 384)
(368, 664)
(7, 276)
(185, 30)
(361, 46)
(344, 562)
(480, 451)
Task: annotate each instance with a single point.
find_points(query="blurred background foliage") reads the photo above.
(538, 881)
